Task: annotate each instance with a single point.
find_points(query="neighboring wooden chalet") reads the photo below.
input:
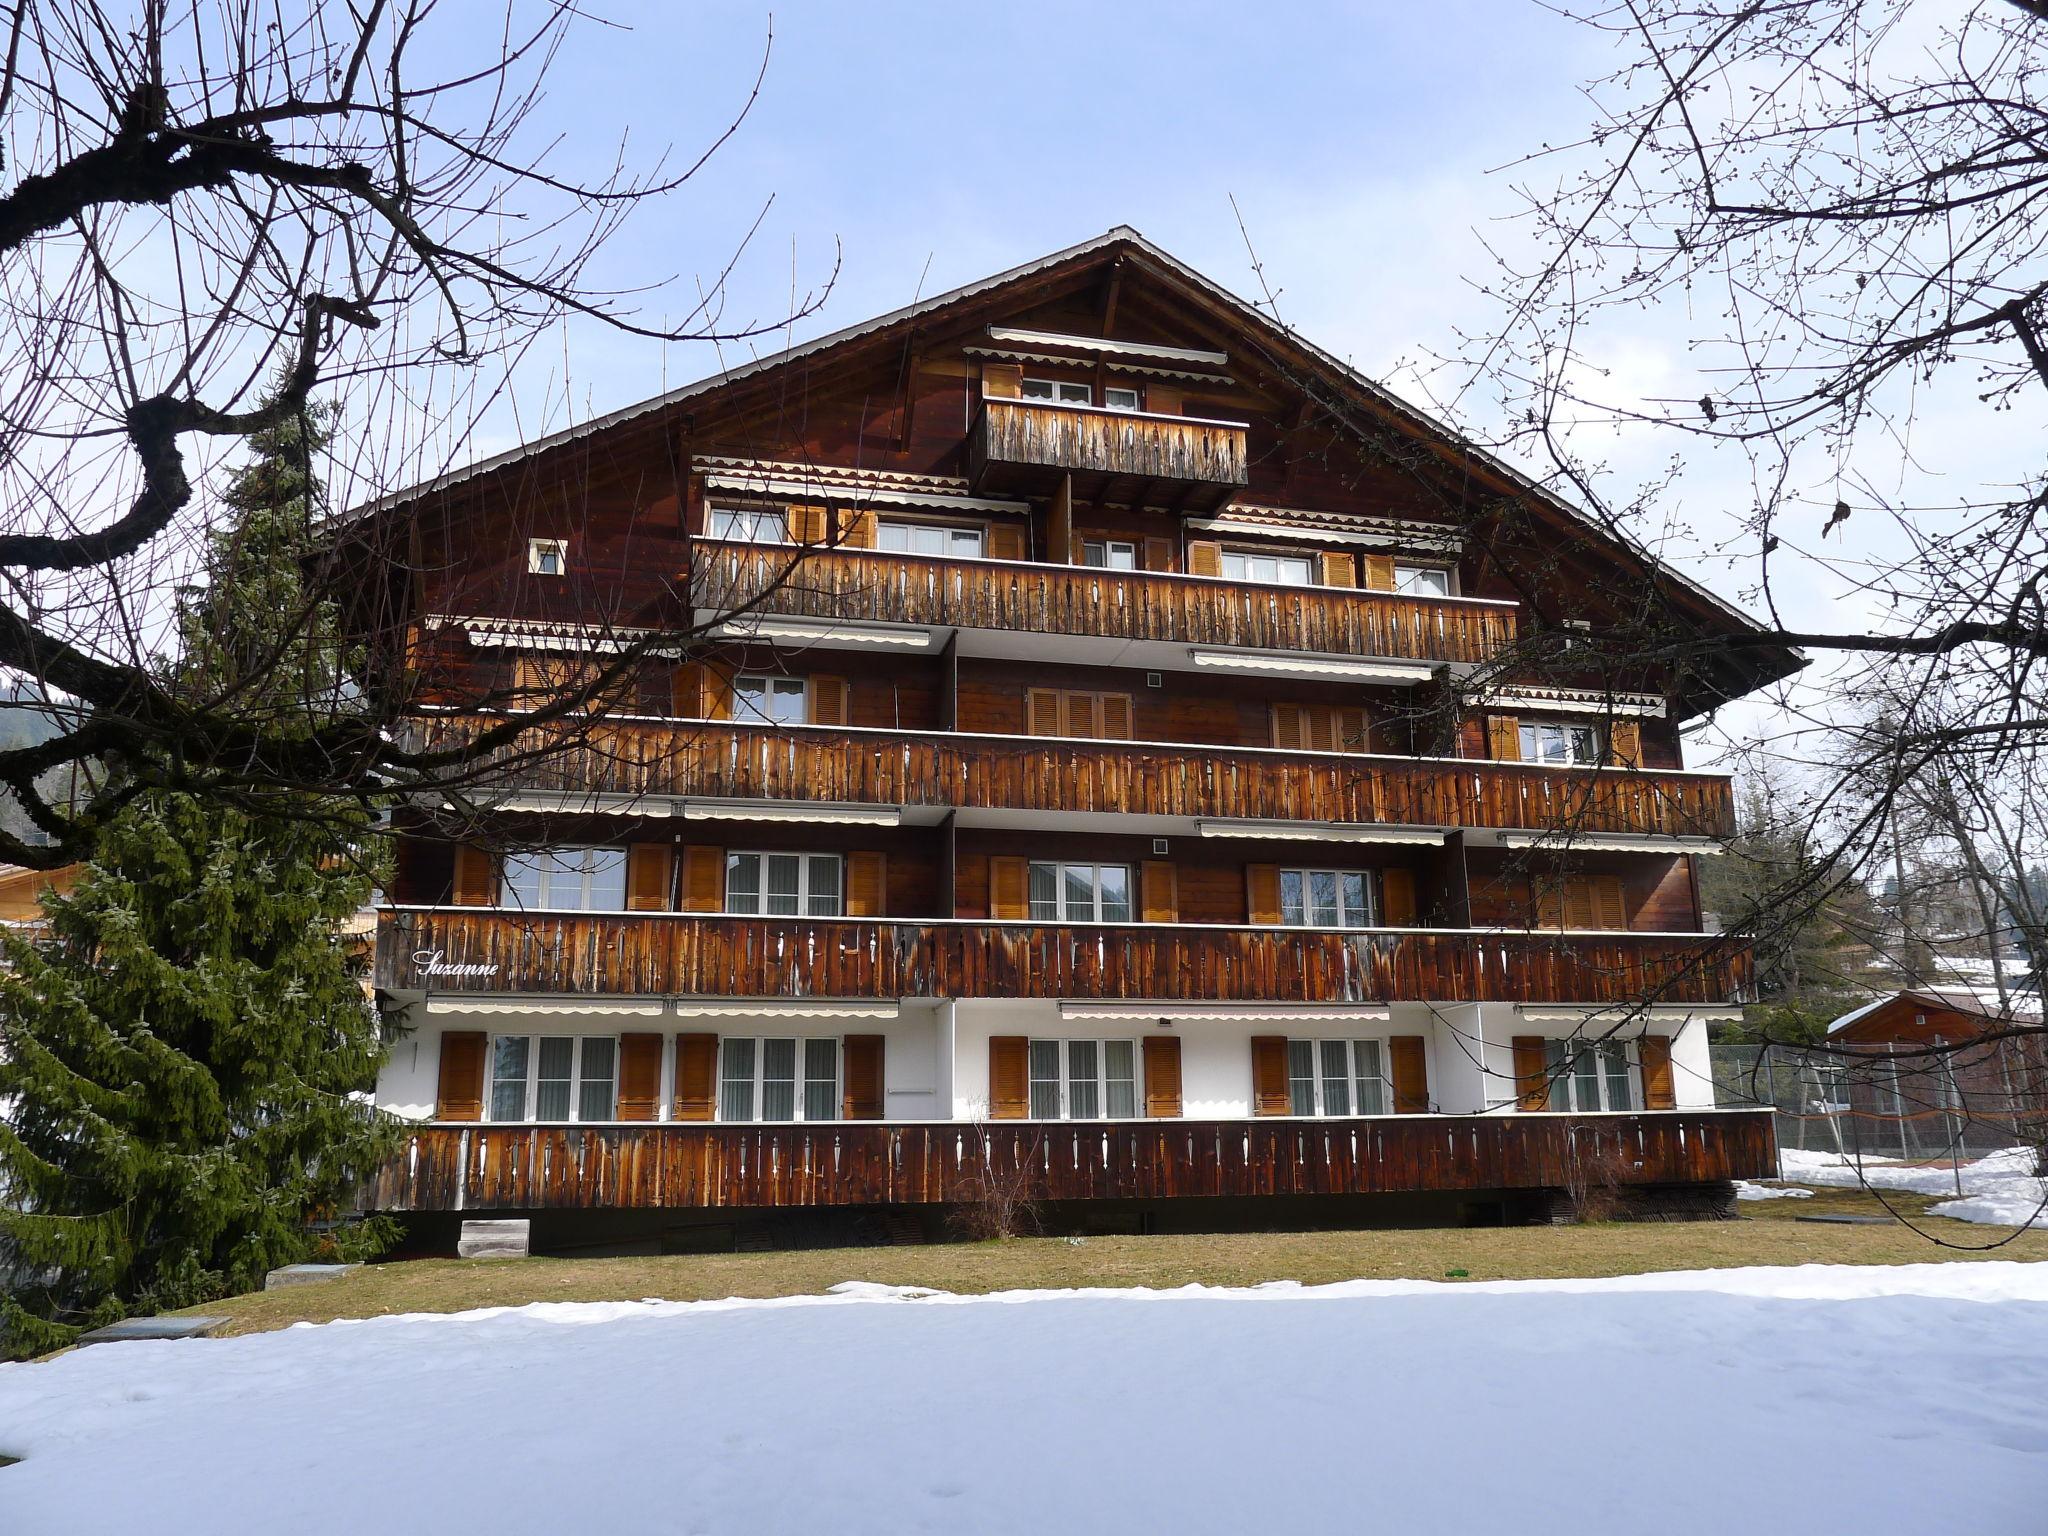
(1132, 757)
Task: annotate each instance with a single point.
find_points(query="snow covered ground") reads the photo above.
(2000, 1190)
(1820, 1398)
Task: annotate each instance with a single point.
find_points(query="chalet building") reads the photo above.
(1091, 742)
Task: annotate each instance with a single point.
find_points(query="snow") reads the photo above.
(1869, 1399)
(1999, 1190)
(1744, 1190)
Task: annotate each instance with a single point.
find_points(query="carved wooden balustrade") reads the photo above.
(468, 950)
(916, 768)
(1176, 460)
(536, 1167)
(866, 586)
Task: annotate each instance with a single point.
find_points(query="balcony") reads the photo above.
(863, 586)
(475, 951)
(1027, 446)
(561, 1167)
(921, 768)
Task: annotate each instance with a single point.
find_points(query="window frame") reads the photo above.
(1562, 1090)
(774, 684)
(1108, 548)
(1372, 898)
(776, 518)
(1060, 913)
(1529, 739)
(801, 1082)
(1137, 404)
(1354, 1078)
(1059, 395)
(950, 531)
(1405, 571)
(1100, 1082)
(804, 892)
(540, 551)
(544, 884)
(530, 1093)
(1312, 573)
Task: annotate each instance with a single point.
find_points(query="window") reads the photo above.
(1336, 1077)
(1551, 742)
(782, 884)
(553, 1077)
(782, 700)
(566, 879)
(1110, 554)
(547, 557)
(749, 525)
(1329, 898)
(777, 1079)
(1587, 1077)
(1283, 570)
(1422, 580)
(1058, 391)
(1080, 893)
(1084, 1079)
(1120, 399)
(928, 539)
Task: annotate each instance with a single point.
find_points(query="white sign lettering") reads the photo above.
(428, 962)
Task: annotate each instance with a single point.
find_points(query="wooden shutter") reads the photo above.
(639, 1077)
(1654, 1052)
(1081, 715)
(1009, 889)
(1353, 732)
(703, 879)
(1009, 1077)
(703, 690)
(476, 877)
(1547, 897)
(459, 1093)
(827, 700)
(1504, 738)
(1262, 893)
(1269, 1076)
(1158, 553)
(1041, 712)
(1159, 891)
(1164, 399)
(1625, 743)
(858, 524)
(1532, 1073)
(1379, 572)
(696, 1076)
(1077, 550)
(1162, 1077)
(1397, 897)
(860, 1067)
(1116, 716)
(806, 525)
(1205, 558)
(647, 877)
(1005, 542)
(1002, 381)
(1580, 910)
(1060, 543)
(1610, 907)
(867, 885)
(1339, 569)
(1410, 1072)
(1287, 727)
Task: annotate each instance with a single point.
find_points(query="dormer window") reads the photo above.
(547, 557)
(1058, 391)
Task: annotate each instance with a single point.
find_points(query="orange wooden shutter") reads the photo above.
(529, 681)
(828, 700)
(861, 1078)
(1548, 899)
(1116, 716)
(1162, 1076)
(1339, 569)
(1009, 1077)
(1532, 1073)
(696, 1076)
(1159, 891)
(1316, 732)
(1580, 909)
(1504, 738)
(1654, 1051)
(1077, 548)
(459, 1093)
(1002, 381)
(1204, 558)
(1379, 572)
(1625, 742)
(647, 877)
(1269, 1076)
(476, 877)
(1164, 399)
(859, 526)
(806, 525)
(1610, 906)
(1287, 722)
(1009, 889)
(1158, 553)
(867, 884)
(703, 879)
(1041, 712)
(1397, 897)
(1410, 1073)
(1005, 542)
(1262, 893)
(639, 1077)
(1081, 714)
(1353, 733)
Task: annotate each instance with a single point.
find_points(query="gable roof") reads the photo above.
(1966, 1001)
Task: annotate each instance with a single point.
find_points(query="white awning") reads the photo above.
(1615, 1013)
(1612, 842)
(837, 631)
(1571, 701)
(1103, 344)
(801, 486)
(1335, 668)
(1324, 832)
(793, 811)
(551, 1007)
(540, 635)
(1225, 1013)
(579, 803)
(775, 1010)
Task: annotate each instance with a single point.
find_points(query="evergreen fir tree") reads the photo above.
(187, 1041)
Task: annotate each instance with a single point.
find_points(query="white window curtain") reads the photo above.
(554, 1078)
(1589, 1077)
(566, 879)
(750, 525)
(1080, 893)
(1336, 1077)
(778, 1079)
(783, 884)
(1083, 1079)
(1329, 898)
(928, 539)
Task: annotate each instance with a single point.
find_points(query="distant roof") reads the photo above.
(1968, 1000)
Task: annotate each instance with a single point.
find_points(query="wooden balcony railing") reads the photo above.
(922, 768)
(551, 1167)
(866, 586)
(473, 950)
(1175, 460)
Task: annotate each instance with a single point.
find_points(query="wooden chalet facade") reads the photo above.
(1087, 736)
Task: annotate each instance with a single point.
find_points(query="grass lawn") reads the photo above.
(1766, 1233)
